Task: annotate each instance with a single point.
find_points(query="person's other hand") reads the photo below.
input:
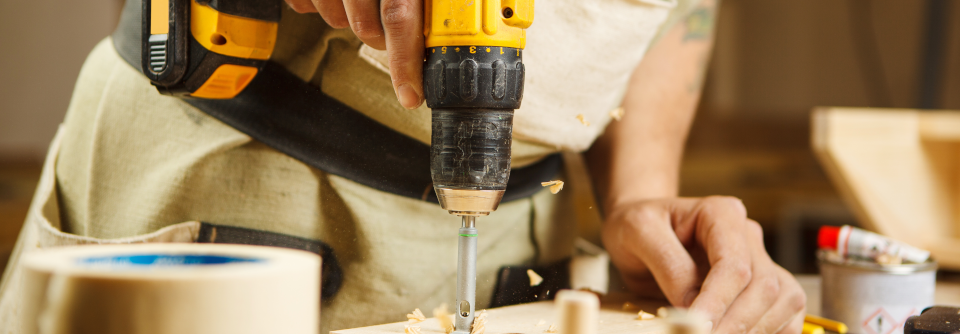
(705, 254)
(393, 25)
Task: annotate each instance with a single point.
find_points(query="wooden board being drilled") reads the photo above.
(535, 318)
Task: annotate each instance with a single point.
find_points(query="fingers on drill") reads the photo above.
(403, 28)
(364, 18)
(332, 12)
(660, 249)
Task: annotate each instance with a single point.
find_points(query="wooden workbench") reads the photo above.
(613, 319)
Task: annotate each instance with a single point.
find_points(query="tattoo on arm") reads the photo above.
(699, 23)
(699, 27)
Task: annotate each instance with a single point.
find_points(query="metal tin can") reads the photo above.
(871, 298)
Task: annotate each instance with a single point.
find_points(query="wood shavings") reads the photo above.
(551, 329)
(617, 114)
(645, 316)
(541, 322)
(662, 312)
(534, 278)
(416, 316)
(479, 323)
(889, 260)
(407, 329)
(583, 120)
(555, 185)
(443, 317)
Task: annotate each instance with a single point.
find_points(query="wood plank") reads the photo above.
(525, 317)
(613, 319)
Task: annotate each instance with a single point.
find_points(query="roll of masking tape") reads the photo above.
(170, 288)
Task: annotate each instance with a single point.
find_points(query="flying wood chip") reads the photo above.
(617, 114)
(645, 316)
(583, 120)
(534, 278)
(555, 185)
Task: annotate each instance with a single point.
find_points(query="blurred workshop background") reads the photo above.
(774, 61)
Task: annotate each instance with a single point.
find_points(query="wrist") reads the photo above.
(626, 195)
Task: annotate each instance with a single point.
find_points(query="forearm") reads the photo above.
(639, 156)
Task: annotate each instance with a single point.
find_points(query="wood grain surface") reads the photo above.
(613, 319)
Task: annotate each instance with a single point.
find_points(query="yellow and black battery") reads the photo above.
(206, 48)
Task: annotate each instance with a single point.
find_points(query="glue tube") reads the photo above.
(851, 241)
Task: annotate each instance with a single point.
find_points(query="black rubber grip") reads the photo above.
(473, 77)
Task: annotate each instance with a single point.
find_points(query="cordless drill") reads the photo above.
(473, 81)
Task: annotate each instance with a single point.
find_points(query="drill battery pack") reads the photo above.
(207, 49)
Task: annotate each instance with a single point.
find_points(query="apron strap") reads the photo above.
(331, 275)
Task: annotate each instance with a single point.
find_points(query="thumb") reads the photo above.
(403, 27)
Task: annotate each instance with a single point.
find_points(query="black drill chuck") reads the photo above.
(473, 91)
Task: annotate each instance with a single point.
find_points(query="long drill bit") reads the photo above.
(466, 274)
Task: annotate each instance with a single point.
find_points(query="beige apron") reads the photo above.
(170, 166)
